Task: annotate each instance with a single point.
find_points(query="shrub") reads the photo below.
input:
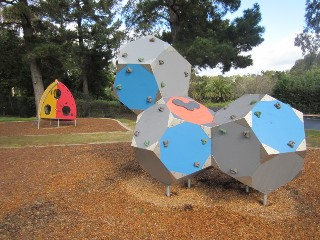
(101, 108)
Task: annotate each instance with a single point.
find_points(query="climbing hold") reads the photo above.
(166, 143)
(129, 70)
(186, 74)
(147, 143)
(161, 62)
(119, 87)
(204, 141)
(152, 39)
(149, 99)
(258, 114)
(223, 131)
(125, 55)
(277, 105)
(246, 134)
(163, 84)
(233, 171)
(196, 164)
(140, 59)
(291, 144)
(191, 105)
(253, 102)
(161, 109)
(136, 133)
(233, 117)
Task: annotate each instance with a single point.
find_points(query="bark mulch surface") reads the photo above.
(100, 192)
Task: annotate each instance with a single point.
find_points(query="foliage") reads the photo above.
(300, 91)
(100, 108)
(250, 84)
(309, 39)
(21, 106)
(54, 45)
(309, 62)
(211, 89)
(198, 30)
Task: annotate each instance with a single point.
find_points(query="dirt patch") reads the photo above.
(83, 125)
(100, 192)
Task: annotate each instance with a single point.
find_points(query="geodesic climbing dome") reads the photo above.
(257, 139)
(57, 102)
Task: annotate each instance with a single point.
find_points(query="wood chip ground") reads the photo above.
(100, 192)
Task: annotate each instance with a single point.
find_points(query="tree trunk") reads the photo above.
(37, 82)
(83, 59)
(84, 80)
(174, 21)
(28, 35)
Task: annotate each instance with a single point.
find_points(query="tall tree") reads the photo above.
(309, 39)
(19, 13)
(92, 30)
(199, 30)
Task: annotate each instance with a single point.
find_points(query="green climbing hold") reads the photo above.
(140, 59)
(258, 114)
(223, 131)
(163, 84)
(119, 87)
(253, 102)
(147, 143)
(204, 141)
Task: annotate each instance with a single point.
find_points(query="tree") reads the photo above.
(92, 38)
(309, 39)
(198, 30)
(19, 13)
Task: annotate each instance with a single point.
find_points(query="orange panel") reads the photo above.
(198, 115)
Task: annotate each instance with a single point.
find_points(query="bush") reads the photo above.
(18, 106)
(300, 91)
(101, 108)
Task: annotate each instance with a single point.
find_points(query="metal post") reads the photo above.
(58, 122)
(189, 183)
(38, 123)
(50, 122)
(247, 189)
(168, 190)
(75, 122)
(265, 199)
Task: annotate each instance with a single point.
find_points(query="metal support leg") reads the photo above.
(168, 190)
(58, 122)
(189, 183)
(247, 189)
(75, 123)
(265, 199)
(50, 122)
(38, 123)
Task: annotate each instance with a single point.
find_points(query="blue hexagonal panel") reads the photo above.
(134, 85)
(185, 148)
(277, 125)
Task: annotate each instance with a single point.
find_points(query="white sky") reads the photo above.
(282, 20)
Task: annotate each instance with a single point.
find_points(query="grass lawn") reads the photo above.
(16, 119)
(312, 136)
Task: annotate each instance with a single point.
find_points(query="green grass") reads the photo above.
(65, 139)
(128, 122)
(15, 119)
(313, 138)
